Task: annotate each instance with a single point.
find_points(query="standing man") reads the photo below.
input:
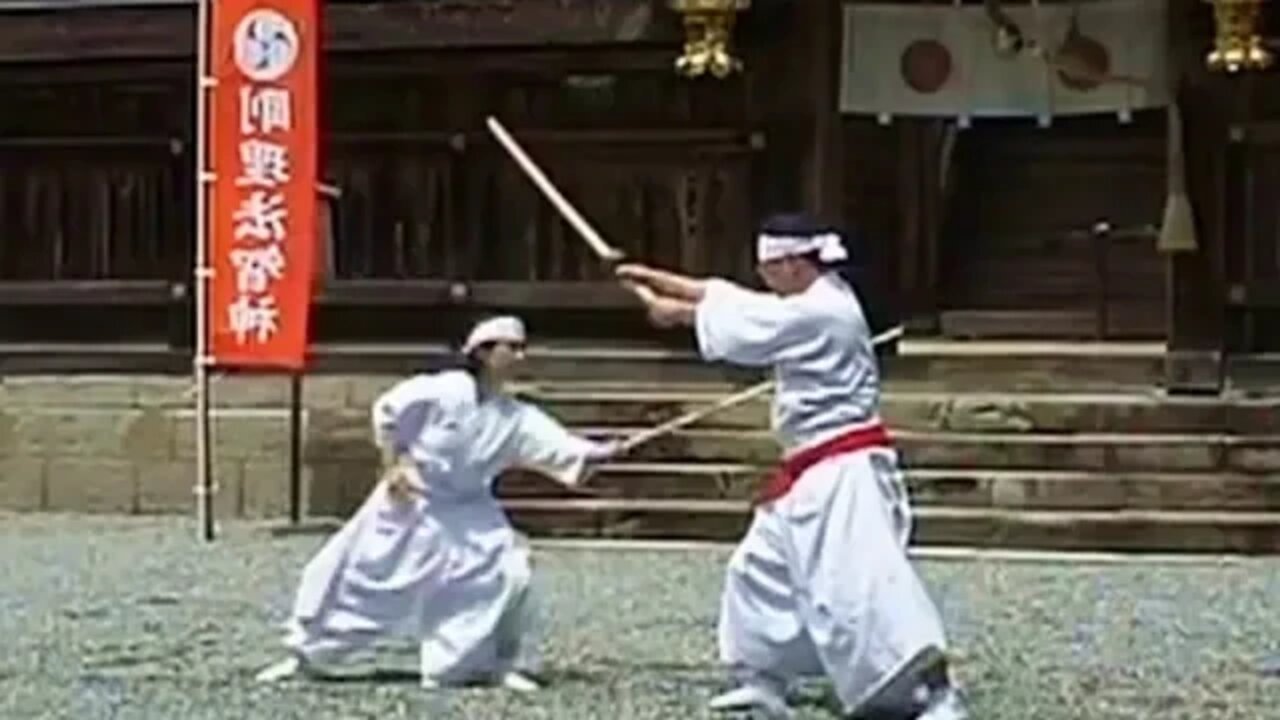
(821, 584)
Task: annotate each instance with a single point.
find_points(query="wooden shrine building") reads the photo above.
(1002, 193)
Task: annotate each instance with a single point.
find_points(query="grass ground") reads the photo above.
(133, 619)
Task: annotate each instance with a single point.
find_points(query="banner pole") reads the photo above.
(203, 273)
(295, 448)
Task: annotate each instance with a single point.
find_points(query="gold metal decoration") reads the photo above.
(708, 27)
(1237, 42)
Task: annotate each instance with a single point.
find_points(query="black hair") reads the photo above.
(858, 270)
(862, 273)
(471, 362)
(457, 359)
(793, 224)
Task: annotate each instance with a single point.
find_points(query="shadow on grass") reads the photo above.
(386, 676)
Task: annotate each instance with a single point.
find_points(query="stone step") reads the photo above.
(1026, 451)
(727, 520)
(950, 487)
(919, 364)
(1025, 367)
(588, 404)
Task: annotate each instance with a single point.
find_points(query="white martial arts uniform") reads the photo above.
(445, 569)
(821, 584)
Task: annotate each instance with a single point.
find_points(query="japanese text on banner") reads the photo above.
(264, 204)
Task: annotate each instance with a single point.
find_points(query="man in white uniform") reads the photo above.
(431, 555)
(821, 584)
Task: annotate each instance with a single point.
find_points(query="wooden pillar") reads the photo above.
(1196, 307)
(1196, 296)
(792, 53)
(921, 212)
(824, 185)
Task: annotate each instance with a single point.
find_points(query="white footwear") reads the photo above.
(519, 682)
(429, 683)
(293, 666)
(945, 706)
(286, 668)
(753, 697)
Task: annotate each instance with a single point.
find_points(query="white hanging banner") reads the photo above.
(944, 60)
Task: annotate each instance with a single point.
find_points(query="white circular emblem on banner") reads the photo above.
(266, 45)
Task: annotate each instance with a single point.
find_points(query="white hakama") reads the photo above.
(445, 569)
(821, 584)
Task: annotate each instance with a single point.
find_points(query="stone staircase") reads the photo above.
(1028, 445)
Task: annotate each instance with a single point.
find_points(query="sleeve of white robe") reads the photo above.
(399, 414)
(545, 446)
(745, 327)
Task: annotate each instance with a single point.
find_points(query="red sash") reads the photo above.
(789, 472)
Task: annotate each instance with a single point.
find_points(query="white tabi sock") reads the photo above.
(519, 682)
(290, 667)
(764, 697)
(278, 671)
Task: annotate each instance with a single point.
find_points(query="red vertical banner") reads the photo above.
(263, 206)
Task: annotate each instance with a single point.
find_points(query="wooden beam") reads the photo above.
(550, 61)
(85, 142)
(169, 31)
(177, 72)
(547, 361)
(43, 358)
(706, 140)
(350, 293)
(115, 293)
(343, 65)
(1020, 324)
(484, 294)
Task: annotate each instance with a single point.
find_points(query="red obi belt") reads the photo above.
(789, 472)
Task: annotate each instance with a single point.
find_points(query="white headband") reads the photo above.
(827, 245)
(507, 328)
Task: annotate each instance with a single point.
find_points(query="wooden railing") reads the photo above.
(91, 208)
(451, 206)
(441, 223)
(433, 223)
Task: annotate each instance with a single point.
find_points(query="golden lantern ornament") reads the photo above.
(708, 27)
(1237, 43)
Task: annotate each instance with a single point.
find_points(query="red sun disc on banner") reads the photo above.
(926, 66)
